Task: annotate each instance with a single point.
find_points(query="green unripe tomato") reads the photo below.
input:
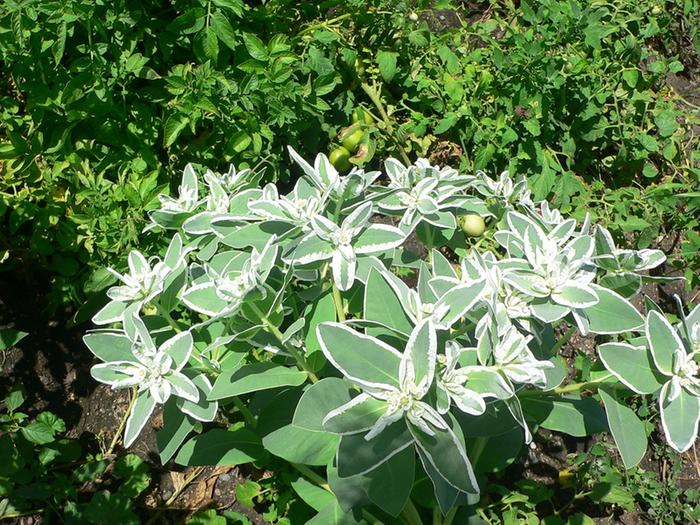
(352, 140)
(472, 225)
(340, 158)
(361, 115)
(359, 68)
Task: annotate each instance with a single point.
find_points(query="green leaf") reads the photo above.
(304, 440)
(679, 418)
(666, 123)
(254, 377)
(613, 314)
(384, 306)
(222, 28)
(357, 416)
(176, 426)
(386, 60)
(332, 514)
(533, 126)
(322, 310)
(173, 127)
(10, 337)
(313, 495)
(38, 432)
(634, 366)
(361, 358)
(631, 77)
(210, 44)
(356, 455)
(246, 492)
(627, 429)
(446, 454)
(14, 399)
(256, 48)
(221, 447)
(576, 417)
(663, 342)
(392, 481)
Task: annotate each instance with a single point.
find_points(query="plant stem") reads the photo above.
(373, 95)
(162, 311)
(271, 328)
(338, 301)
(325, 23)
(566, 336)
(321, 482)
(316, 478)
(122, 423)
(566, 389)
(450, 516)
(195, 473)
(245, 412)
(410, 514)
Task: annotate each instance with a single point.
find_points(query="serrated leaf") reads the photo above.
(386, 60)
(222, 28)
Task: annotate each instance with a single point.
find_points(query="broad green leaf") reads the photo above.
(358, 415)
(313, 495)
(576, 417)
(109, 345)
(613, 314)
(384, 306)
(221, 447)
(322, 310)
(356, 455)
(663, 342)
(222, 28)
(446, 454)
(386, 60)
(497, 452)
(176, 426)
(304, 440)
(391, 483)
(378, 238)
(204, 409)
(332, 514)
(254, 377)
(140, 412)
(256, 48)
(202, 298)
(360, 358)
(627, 429)
(633, 366)
(679, 418)
(10, 337)
(173, 127)
(575, 295)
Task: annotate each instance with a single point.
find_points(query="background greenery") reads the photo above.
(102, 104)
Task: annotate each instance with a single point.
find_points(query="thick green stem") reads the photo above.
(247, 414)
(373, 95)
(566, 389)
(271, 328)
(338, 302)
(450, 516)
(166, 315)
(563, 340)
(410, 514)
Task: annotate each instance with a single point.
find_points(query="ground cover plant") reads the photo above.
(288, 318)
(102, 102)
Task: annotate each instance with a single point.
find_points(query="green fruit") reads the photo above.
(340, 158)
(472, 225)
(361, 115)
(352, 140)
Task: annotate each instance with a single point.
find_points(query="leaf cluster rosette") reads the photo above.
(305, 322)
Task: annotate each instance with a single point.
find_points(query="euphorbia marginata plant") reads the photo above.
(302, 326)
